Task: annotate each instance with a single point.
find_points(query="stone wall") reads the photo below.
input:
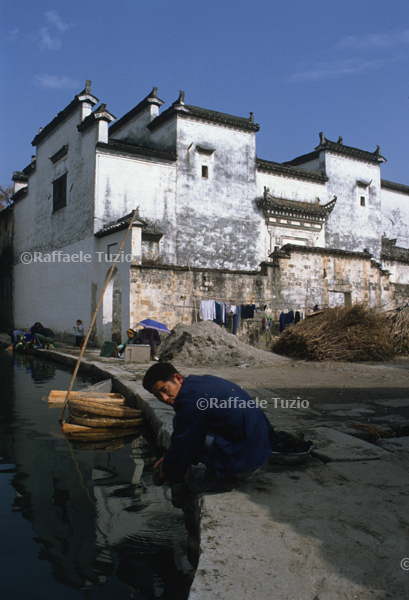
(172, 294)
(310, 276)
(297, 280)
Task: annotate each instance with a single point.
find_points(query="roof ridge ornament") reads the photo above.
(181, 99)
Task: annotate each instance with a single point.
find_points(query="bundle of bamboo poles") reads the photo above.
(351, 334)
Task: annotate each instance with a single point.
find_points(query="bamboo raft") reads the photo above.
(57, 397)
(94, 434)
(80, 406)
(97, 417)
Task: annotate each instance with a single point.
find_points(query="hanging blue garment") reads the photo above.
(236, 320)
(219, 314)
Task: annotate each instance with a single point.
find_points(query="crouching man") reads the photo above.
(216, 423)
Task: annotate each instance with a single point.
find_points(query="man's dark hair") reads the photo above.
(158, 372)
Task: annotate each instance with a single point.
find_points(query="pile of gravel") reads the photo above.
(206, 343)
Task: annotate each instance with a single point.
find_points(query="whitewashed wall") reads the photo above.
(55, 293)
(218, 223)
(395, 216)
(41, 289)
(123, 183)
(350, 225)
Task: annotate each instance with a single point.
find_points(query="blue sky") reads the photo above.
(337, 66)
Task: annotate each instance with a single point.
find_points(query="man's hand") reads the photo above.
(159, 462)
(158, 476)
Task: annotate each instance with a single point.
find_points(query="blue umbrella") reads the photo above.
(151, 324)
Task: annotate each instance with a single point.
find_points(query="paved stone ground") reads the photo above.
(334, 528)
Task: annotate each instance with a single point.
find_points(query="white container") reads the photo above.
(139, 353)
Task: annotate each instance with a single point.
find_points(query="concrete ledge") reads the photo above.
(333, 446)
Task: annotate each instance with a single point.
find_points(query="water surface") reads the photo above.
(79, 522)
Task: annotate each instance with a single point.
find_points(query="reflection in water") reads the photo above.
(94, 514)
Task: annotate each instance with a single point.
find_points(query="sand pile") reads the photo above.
(206, 343)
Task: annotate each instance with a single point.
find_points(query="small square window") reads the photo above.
(60, 193)
(362, 200)
(205, 171)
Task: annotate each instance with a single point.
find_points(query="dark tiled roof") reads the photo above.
(19, 176)
(396, 187)
(30, 168)
(62, 116)
(292, 172)
(392, 252)
(21, 193)
(100, 113)
(4, 211)
(288, 248)
(301, 160)
(119, 224)
(187, 111)
(223, 119)
(127, 148)
(151, 98)
(339, 148)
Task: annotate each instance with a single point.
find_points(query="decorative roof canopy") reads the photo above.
(119, 224)
(150, 232)
(309, 211)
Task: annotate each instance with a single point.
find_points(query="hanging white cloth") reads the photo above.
(207, 310)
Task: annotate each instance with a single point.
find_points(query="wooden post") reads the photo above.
(84, 345)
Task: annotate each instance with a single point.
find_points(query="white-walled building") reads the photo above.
(210, 214)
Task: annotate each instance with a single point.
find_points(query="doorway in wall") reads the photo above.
(339, 299)
(112, 309)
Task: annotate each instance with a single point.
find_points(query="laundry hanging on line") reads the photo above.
(286, 319)
(207, 310)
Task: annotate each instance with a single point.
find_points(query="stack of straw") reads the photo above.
(398, 323)
(351, 334)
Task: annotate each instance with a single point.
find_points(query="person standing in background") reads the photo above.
(79, 334)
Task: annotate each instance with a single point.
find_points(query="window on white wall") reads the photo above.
(60, 192)
(205, 171)
(363, 192)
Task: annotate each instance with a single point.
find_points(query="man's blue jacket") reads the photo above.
(243, 436)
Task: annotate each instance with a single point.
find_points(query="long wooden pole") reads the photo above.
(84, 345)
(193, 289)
